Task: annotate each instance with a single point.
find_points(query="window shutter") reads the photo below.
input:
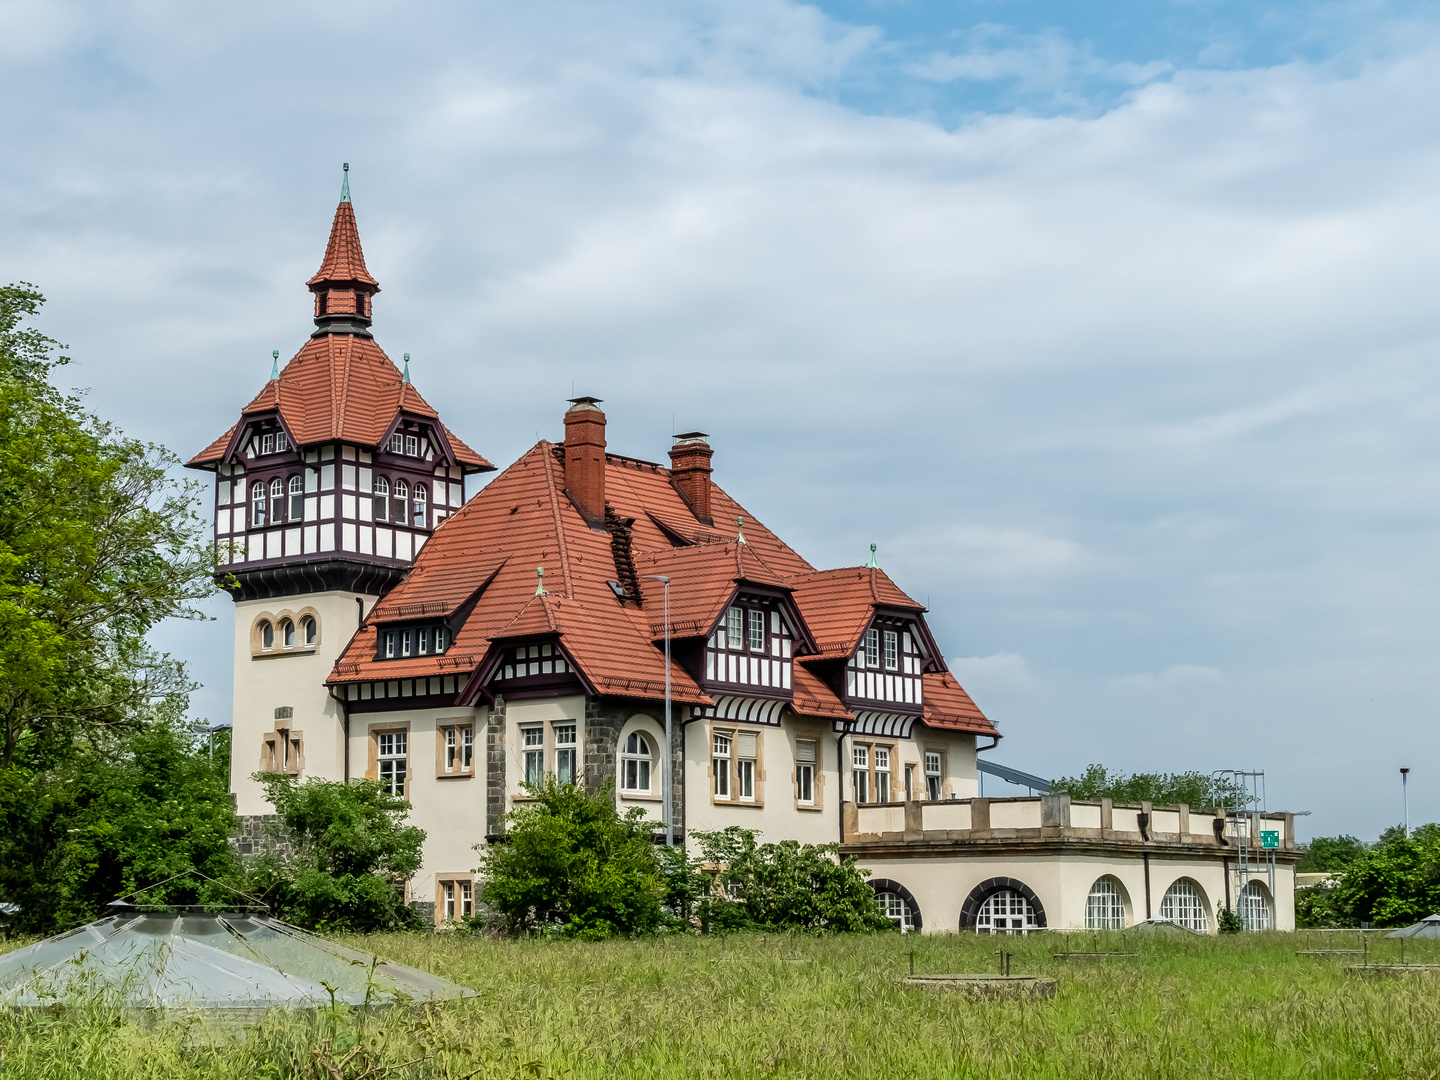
(805, 752)
(747, 744)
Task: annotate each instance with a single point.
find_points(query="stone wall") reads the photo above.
(259, 833)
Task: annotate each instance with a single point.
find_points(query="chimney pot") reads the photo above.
(690, 472)
(585, 459)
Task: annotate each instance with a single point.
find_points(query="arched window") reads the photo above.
(635, 764)
(257, 504)
(307, 629)
(1005, 911)
(382, 499)
(277, 501)
(1255, 908)
(1182, 903)
(297, 498)
(894, 908)
(287, 633)
(418, 506)
(1105, 906)
(401, 496)
(267, 636)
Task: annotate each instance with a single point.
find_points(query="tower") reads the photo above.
(326, 488)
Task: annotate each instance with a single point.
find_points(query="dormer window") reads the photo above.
(267, 444)
(397, 443)
(405, 641)
(892, 650)
(413, 641)
(872, 648)
(281, 442)
(387, 644)
(757, 630)
(412, 446)
(734, 628)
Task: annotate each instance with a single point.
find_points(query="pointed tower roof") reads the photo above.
(344, 259)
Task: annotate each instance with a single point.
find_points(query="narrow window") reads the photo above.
(757, 631)
(442, 639)
(297, 498)
(359, 303)
(909, 783)
(267, 636)
(307, 627)
(872, 648)
(281, 442)
(882, 774)
(452, 749)
(467, 899)
(860, 757)
(720, 762)
(422, 641)
(322, 301)
(745, 753)
(932, 777)
(391, 753)
(449, 901)
(257, 504)
(412, 446)
(534, 741)
(805, 772)
(565, 753)
(389, 644)
(467, 747)
(892, 650)
(406, 642)
(267, 444)
(287, 634)
(277, 501)
(734, 628)
(382, 499)
(635, 765)
(402, 495)
(418, 506)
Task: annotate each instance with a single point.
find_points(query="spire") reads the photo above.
(540, 581)
(405, 378)
(343, 286)
(873, 564)
(274, 364)
(740, 533)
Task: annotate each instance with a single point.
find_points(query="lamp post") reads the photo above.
(665, 810)
(1405, 798)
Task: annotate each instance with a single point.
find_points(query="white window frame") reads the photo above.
(392, 760)
(805, 771)
(735, 628)
(1184, 903)
(872, 648)
(412, 446)
(894, 908)
(934, 776)
(380, 499)
(258, 504)
(722, 748)
(755, 620)
(1006, 911)
(1105, 905)
(636, 763)
(277, 501)
(860, 772)
(1256, 911)
(418, 503)
(892, 650)
(567, 752)
(882, 774)
(532, 753)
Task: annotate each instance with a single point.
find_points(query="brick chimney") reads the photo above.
(690, 472)
(585, 459)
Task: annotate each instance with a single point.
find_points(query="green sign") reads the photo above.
(1269, 839)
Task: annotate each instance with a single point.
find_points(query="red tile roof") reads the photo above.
(344, 260)
(523, 520)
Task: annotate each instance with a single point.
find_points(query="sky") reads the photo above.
(1112, 326)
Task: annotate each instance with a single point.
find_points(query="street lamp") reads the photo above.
(1405, 797)
(665, 814)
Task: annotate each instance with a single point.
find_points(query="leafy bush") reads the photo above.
(1193, 789)
(784, 886)
(1228, 921)
(1394, 883)
(353, 854)
(570, 863)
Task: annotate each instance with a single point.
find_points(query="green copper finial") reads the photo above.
(740, 536)
(345, 185)
(406, 376)
(873, 564)
(274, 363)
(540, 581)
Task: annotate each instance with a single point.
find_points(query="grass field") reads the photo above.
(752, 1006)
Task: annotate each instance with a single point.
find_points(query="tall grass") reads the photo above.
(753, 1006)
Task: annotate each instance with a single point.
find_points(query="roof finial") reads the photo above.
(274, 363)
(740, 536)
(406, 376)
(345, 184)
(540, 583)
(873, 564)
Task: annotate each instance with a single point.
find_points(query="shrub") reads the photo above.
(1394, 883)
(570, 863)
(353, 854)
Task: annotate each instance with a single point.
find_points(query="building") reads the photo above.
(454, 649)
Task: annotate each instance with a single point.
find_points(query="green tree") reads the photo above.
(784, 886)
(1193, 789)
(1329, 854)
(353, 853)
(571, 863)
(1394, 883)
(131, 810)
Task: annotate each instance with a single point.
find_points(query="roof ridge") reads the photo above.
(547, 459)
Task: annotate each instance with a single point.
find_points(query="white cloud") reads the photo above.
(1176, 677)
(999, 673)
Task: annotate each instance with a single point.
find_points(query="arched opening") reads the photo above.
(277, 501)
(897, 904)
(287, 634)
(382, 499)
(401, 496)
(257, 504)
(1002, 905)
(1105, 905)
(297, 498)
(267, 635)
(1184, 904)
(1256, 910)
(308, 630)
(418, 502)
(635, 762)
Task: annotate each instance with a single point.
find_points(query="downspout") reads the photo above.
(1146, 857)
(1225, 862)
(840, 765)
(345, 727)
